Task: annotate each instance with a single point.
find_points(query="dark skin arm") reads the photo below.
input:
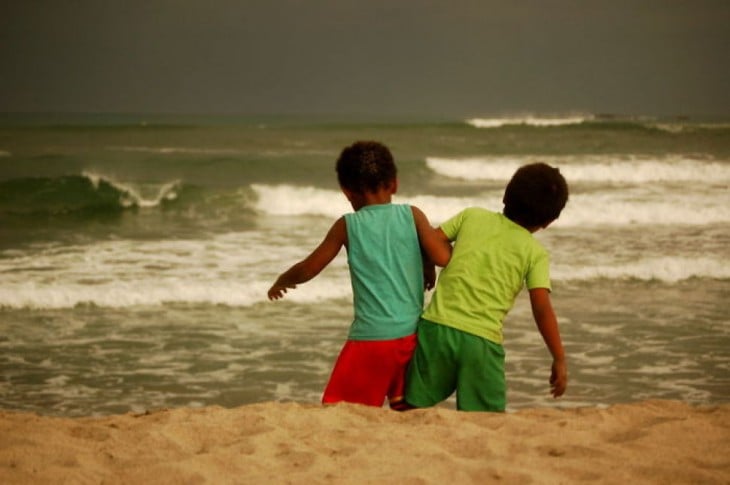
(435, 247)
(313, 264)
(429, 274)
(434, 243)
(547, 324)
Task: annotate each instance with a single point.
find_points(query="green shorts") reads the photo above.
(447, 359)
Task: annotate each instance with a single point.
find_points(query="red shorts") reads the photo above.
(368, 371)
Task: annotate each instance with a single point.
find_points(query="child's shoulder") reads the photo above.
(474, 217)
(480, 212)
(477, 209)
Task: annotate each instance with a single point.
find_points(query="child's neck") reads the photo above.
(532, 229)
(382, 196)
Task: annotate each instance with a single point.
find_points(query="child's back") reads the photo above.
(493, 258)
(386, 270)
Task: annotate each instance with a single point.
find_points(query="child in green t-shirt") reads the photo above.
(494, 256)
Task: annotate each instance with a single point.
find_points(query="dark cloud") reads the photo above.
(424, 57)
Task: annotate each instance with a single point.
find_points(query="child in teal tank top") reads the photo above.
(387, 283)
(386, 246)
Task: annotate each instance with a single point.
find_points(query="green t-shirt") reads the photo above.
(493, 259)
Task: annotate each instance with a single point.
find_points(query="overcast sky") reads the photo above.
(402, 57)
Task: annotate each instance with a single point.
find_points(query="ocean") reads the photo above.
(136, 251)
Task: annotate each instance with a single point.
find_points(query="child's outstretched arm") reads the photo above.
(311, 266)
(547, 323)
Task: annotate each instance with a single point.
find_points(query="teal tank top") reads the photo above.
(386, 271)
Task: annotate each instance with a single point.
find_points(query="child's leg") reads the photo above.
(368, 370)
(431, 375)
(481, 385)
(402, 352)
(349, 380)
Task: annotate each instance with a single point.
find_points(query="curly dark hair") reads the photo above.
(535, 195)
(365, 166)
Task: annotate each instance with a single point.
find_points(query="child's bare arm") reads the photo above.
(547, 323)
(311, 266)
(429, 274)
(434, 243)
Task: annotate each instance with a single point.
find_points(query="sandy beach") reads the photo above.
(645, 442)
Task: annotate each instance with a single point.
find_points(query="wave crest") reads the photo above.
(529, 120)
(88, 192)
(602, 208)
(663, 269)
(588, 168)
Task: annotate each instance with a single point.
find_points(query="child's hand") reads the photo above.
(278, 291)
(558, 377)
(429, 275)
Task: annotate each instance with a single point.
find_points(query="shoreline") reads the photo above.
(642, 442)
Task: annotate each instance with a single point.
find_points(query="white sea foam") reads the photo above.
(232, 269)
(153, 292)
(609, 207)
(671, 126)
(439, 209)
(149, 290)
(680, 127)
(136, 195)
(531, 120)
(663, 269)
(290, 200)
(237, 269)
(636, 208)
(589, 168)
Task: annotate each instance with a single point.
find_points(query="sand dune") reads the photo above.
(646, 442)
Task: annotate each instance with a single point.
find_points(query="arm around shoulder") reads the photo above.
(434, 243)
